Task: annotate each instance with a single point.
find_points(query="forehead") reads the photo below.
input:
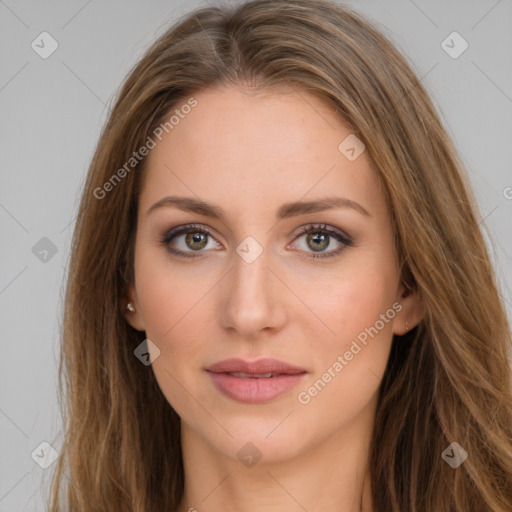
(253, 148)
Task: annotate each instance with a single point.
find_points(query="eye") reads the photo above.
(193, 238)
(318, 238)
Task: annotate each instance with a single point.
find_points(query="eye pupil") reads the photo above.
(318, 237)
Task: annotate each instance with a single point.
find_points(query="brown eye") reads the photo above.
(196, 240)
(185, 240)
(318, 239)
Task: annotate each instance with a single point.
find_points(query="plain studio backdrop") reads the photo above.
(62, 62)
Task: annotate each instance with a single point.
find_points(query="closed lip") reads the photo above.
(261, 366)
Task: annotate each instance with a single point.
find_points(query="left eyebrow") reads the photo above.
(318, 205)
(287, 210)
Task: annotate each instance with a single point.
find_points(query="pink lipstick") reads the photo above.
(254, 381)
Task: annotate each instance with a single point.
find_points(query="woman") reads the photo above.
(279, 295)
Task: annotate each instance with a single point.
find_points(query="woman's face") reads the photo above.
(255, 286)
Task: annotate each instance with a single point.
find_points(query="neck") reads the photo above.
(331, 475)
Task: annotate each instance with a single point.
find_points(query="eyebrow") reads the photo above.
(287, 210)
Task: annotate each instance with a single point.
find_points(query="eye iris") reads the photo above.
(318, 237)
(196, 238)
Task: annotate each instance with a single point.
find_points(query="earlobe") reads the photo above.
(132, 312)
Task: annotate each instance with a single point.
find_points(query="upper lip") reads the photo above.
(261, 366)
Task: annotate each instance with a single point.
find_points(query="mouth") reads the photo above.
(255, 382)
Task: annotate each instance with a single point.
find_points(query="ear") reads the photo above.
(134, 318)
(412, 312)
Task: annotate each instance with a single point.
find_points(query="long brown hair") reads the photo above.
(447, 380)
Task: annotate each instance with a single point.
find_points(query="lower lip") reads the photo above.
(254, 390)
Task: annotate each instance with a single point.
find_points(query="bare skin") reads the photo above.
(249, 154)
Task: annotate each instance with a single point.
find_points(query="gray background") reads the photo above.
(52, 112)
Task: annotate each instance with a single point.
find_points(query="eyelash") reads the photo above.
(195, 228)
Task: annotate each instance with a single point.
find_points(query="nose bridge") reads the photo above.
(252, 300)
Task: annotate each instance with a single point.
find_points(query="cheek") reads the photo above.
(174, 318)
(352, 301)
(167, 298)
(178, 317)
(351, 361)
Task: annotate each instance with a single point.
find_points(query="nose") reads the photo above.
(253, 298)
